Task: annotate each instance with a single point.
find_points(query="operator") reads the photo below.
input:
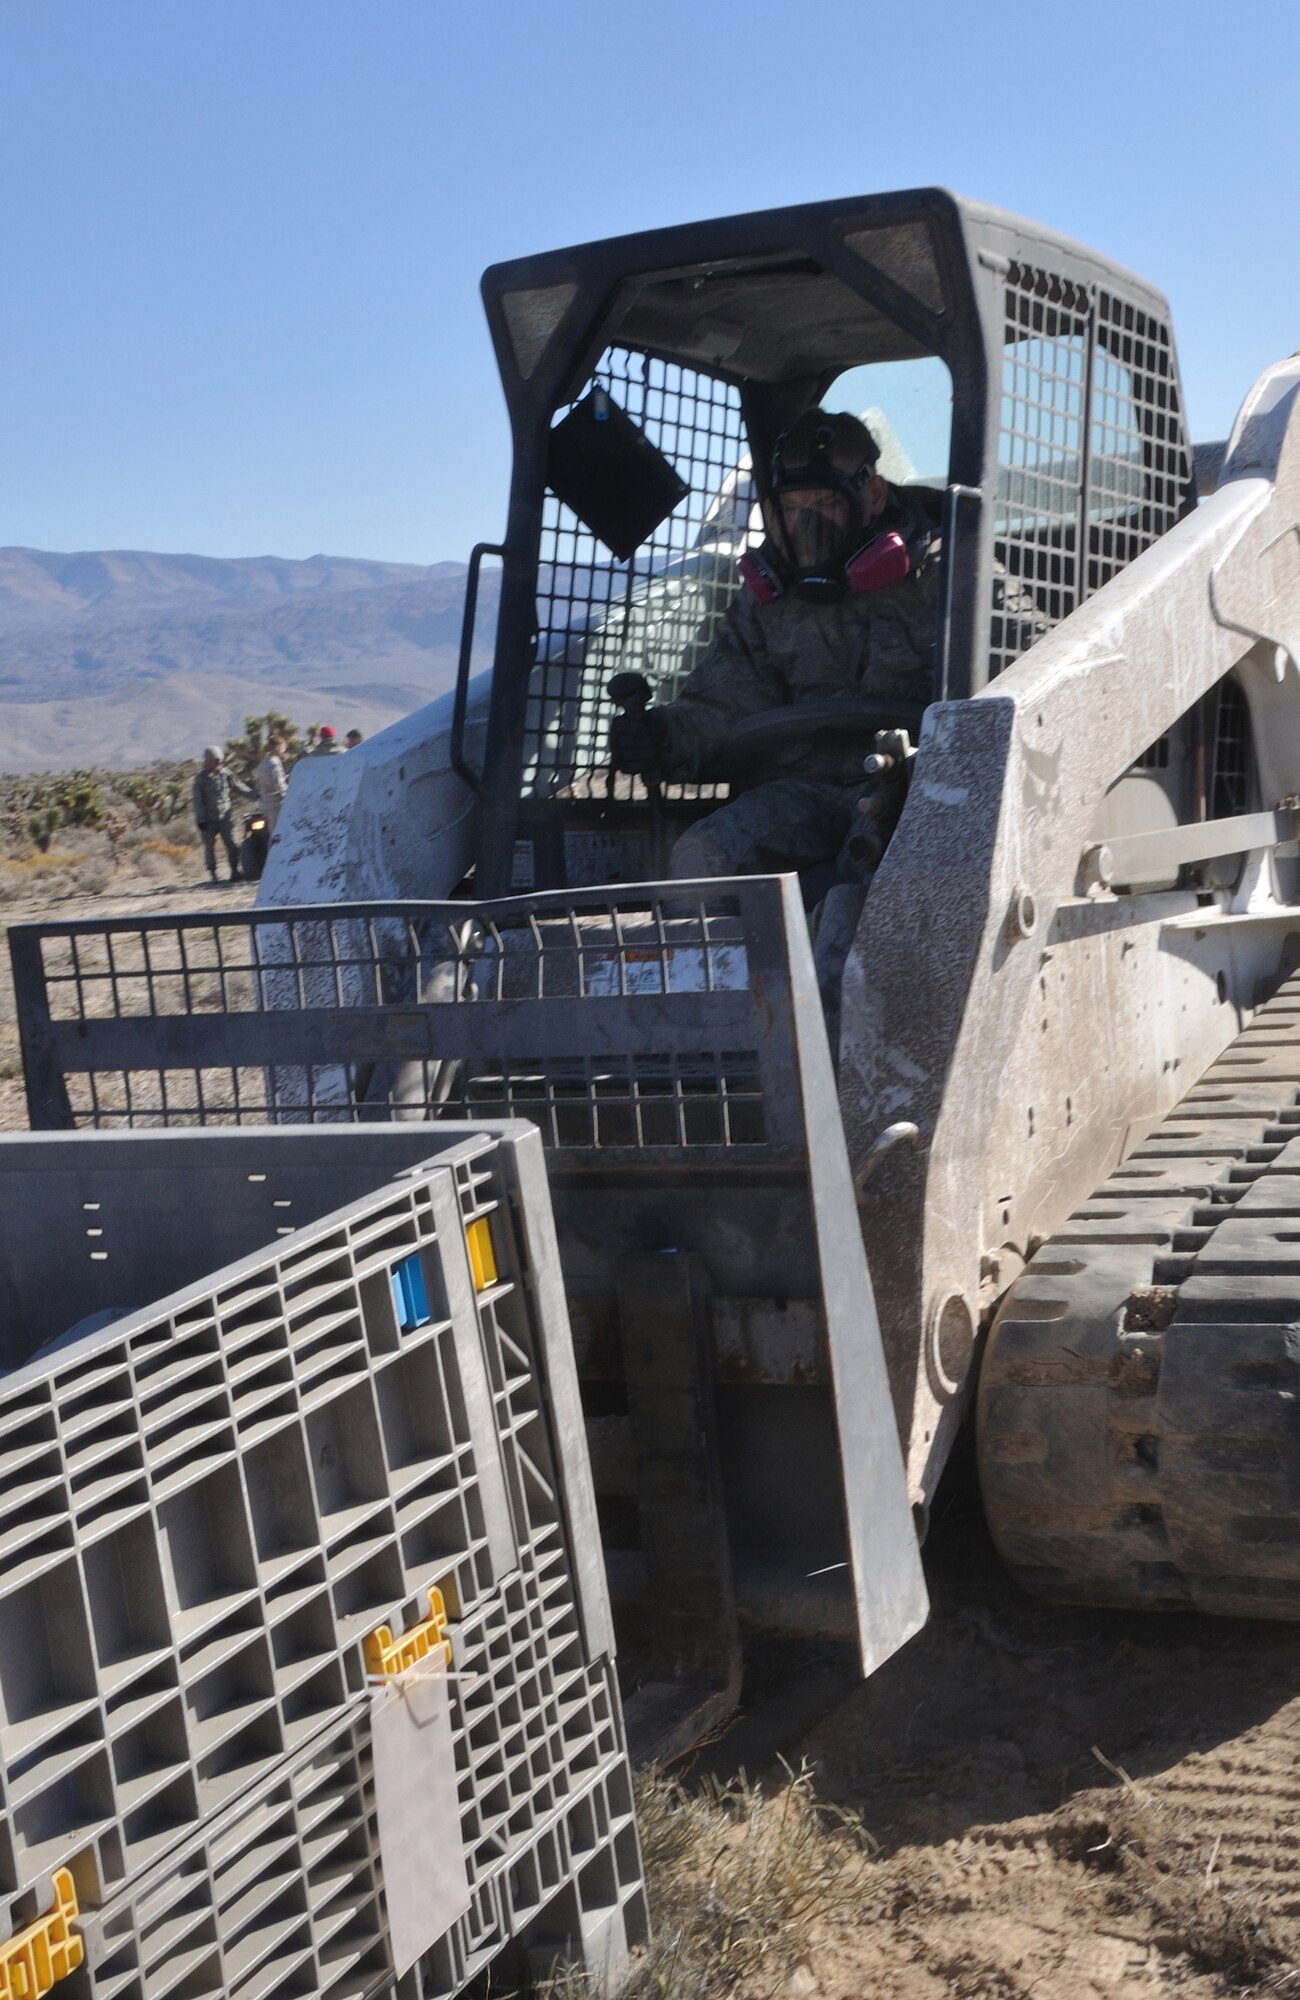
(839, 604)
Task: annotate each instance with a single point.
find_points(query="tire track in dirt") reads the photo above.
(1244, 1802)
(1069, 1805)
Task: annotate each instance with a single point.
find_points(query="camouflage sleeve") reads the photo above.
(735, 679)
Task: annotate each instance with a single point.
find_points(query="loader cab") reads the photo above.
(1026, 387)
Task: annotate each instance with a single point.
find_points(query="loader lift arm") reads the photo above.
(1064, 1019)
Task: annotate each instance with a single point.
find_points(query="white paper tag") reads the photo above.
(639, 969)
(426, 1883)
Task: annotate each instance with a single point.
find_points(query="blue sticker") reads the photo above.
(410, 1299)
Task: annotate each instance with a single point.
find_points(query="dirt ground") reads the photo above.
(1057, 1804)
(183, 887)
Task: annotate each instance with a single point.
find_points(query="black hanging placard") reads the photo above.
(607, 471)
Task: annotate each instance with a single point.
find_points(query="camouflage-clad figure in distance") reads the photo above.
(804, 630)
(215, 791)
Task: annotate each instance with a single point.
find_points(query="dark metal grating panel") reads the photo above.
(634, 1024)
(1138, 460)
(656, 613)
(1044, 387)
(1092, 462)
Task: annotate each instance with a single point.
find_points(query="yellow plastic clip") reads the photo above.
(482, 1256)
(35, 1959)
(386, 1655)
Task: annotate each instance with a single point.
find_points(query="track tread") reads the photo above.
(1139, 1398)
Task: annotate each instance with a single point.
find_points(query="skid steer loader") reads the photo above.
(1058, 1102)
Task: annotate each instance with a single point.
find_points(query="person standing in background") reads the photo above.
(214, 810)
(272, 783)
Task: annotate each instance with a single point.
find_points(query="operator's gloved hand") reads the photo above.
(637, 740)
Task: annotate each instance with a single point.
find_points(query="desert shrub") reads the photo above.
(181, 852)
(90, 876)
(79, 799)
(244, 753)
(112, 814)
(106, 807)
(153, 868)
(156, 796)
(42, 825)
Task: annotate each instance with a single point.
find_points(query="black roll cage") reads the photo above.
(800, 293)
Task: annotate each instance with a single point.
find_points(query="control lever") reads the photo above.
(889, 768)
(631, 692)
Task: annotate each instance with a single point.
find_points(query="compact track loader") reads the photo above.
(1061, 1087)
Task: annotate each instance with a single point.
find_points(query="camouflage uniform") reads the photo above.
(214, 815)
(877, 647)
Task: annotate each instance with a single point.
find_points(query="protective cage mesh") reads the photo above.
(654, 614)
(618, 1079)
(1093, 460)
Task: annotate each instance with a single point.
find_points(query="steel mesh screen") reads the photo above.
(269, 962)
(1044, 384)
(1138, 457)
(609, 1072)
(654, 614)
(1093, 460)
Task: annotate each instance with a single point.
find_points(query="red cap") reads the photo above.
(327, 730)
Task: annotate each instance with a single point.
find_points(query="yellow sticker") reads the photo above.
(482, 1257)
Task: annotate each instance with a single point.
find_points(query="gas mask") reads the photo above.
(823, 541)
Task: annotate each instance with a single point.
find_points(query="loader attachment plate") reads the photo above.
(668, 1041)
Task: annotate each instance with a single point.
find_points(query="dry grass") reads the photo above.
(739, 1880)
(35, 868)
(751, 1889)
(87, 863)
(170, 850)
(54, 876)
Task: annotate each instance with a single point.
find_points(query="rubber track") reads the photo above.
(1139, 1400)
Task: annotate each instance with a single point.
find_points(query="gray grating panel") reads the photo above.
(656, 613)
(208, 1505)
(1092, 462)
(459, 1010)
(293, 1875)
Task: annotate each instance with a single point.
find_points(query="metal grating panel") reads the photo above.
(1138, 459)
(208, 1505)
(1093, 463)
(709, 988)
(654, 614)
(635, 1024)
(284, 1892)
(1044, 386)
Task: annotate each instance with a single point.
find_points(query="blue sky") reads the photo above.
(241, 243)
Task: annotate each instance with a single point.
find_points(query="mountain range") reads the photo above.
(118, 657)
